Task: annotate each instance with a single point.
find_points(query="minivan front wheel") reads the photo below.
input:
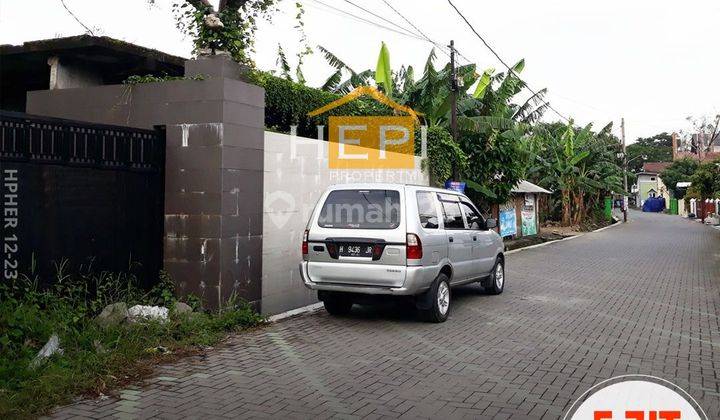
(495, 284)
(439, 299)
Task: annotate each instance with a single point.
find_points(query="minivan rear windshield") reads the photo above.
(361, 209)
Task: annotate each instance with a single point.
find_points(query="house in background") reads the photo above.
(75, 62)
(649, 184)
(698, 147)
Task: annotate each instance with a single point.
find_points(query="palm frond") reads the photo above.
(332, 82)
(429, 66)
(334, 61)
(283, 63)
(526, 112)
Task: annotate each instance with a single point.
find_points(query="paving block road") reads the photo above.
(640, 298)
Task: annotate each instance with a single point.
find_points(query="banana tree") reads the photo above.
(335, 82)
(495, 130)
(577, 163)
(560, 167)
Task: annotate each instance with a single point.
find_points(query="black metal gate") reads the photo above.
(80, 192)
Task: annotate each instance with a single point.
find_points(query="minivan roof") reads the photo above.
(388, 186)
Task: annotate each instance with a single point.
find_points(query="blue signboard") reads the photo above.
(455, 186)
(508, 223)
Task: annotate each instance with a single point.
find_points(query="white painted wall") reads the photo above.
(682, 208)
(293, 182)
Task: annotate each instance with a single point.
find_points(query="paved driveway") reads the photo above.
(638, 298)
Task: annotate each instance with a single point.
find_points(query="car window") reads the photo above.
(453, 215)
(361, 209)
(472, 217)
(427, 210)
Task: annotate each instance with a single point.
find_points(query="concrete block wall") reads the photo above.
(293, 183)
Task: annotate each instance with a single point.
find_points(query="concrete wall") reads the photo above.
(293, 184)
(64, 74)
(214, 168)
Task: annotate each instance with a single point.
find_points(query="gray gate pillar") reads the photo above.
(214, 185)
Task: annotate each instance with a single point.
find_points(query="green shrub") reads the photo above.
(442, 151)
(150, 78)
(288, 103)
(94, 358)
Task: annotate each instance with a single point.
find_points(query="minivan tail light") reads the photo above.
(377, 251)
(413, 247)
(332, 249)
(305, 242)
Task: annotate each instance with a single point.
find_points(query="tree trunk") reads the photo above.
(566, 207)
(579, 207)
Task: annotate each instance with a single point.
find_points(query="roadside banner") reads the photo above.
(508, 223)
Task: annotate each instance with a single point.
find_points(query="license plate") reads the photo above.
(353, 250)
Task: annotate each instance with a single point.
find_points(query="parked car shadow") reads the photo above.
(405, 311)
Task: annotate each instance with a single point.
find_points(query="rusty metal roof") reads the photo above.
(528, 187)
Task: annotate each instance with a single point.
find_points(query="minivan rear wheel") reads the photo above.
(337, 305)
(439, 297)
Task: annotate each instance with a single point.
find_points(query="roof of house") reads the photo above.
(101, 49)
(655, 167)
(24, 67)
(528, 187)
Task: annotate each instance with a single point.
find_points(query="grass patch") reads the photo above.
(95, 358)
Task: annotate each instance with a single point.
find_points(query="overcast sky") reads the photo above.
(655, 62)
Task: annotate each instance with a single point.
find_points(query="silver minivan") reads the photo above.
(375, 240)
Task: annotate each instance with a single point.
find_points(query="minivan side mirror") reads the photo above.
(490, 224)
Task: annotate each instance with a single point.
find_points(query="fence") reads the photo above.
(86, 193)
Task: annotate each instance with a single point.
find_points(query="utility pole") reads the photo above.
(453, 106)
(625, 174)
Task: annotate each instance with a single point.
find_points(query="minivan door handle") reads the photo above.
(474, 238)
(450, 239)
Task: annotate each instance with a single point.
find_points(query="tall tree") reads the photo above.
(230, 28)
(657, 148)
(706, 183)
(680, 171)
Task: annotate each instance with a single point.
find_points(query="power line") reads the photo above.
(378, 16)
(510, 70)
(534, 93)
(417, 31)
(401, 31)
(420, 35)
(361, 19)
(439, 46)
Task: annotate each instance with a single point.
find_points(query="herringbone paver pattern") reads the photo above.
(639, 298)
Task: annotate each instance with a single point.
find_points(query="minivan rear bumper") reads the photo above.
(417, 280)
